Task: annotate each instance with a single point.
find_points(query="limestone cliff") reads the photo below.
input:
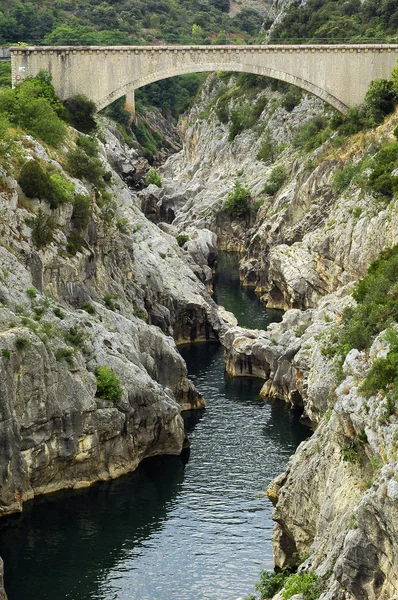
(115, 300)
(336, 504)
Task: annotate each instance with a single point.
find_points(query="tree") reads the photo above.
(380, 100)
(34, 180)
(237, 202)
(80, 112)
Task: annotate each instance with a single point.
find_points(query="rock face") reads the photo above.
(336, 504)
(337, 499)
(3, 595)
(308, 239)
(118, 302)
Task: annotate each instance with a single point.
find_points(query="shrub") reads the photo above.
(154, 178)
(88, 144)
(75, 243)
(59, 313)
(271, 582)
(80, 111)
(41, 120)
(74, 337)
(379, 100)
(343, 177)
(31, 292)
(380, 180)
(82, 212)
(64, 354)
(377, 308)
(42, 229)
(277, 179)
(109, 302)
(268, 150)
(108, 384)
(21, 343)
(34, 180)
(80, 164)
(6, 353)
(306, 584)
(182, 238)
(237, 201)
(89, 308)
(34, 107)
(149, 139)
(292, 99)
(312, 134)
(60, 190)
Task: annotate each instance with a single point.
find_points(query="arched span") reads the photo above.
(135, 84)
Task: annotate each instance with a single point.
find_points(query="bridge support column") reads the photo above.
(130, 103)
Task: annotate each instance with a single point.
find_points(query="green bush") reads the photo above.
(81, 112)
(109, 302)
(380, 100)
(268, 150)
(312, 134)
(292, 99)
(60, 190)
(108, 384)
(153, 177)
(343, 177)
(88, 144)
(182, 238)
(74, 337)
(276, 180)
(89, 308)
(42, 229)
(34, 180)
(383, 374)
(377, 308)
(149, 139)
(21, 343)
(75, 243)
(271, 582)
(307, 584)
(59, 313)
(80, 165)
(82, 212)
(38, 183)
(380, 180)
(237, 201)
(34, 107)
(65, 354)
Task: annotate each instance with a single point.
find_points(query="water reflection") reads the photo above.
(64, 545)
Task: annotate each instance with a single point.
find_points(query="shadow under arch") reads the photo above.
(135, 84)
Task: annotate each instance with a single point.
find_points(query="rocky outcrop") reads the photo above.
(308, 239)
(209, 163)
(336, 502)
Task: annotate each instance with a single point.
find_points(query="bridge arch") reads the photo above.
(134, 84)
(339, 74)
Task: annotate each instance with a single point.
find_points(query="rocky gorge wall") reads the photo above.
(303, 251)
(116, 302)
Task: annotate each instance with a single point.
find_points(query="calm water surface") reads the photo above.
(170, 531)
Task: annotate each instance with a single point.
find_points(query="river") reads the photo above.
(169, 531)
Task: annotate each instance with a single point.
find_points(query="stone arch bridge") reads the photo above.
(339, 74)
